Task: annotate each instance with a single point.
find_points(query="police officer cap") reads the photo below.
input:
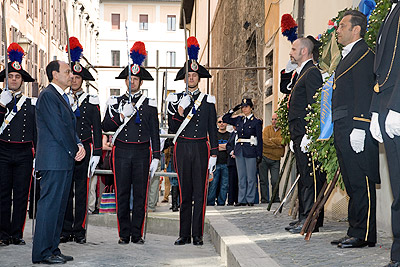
(247, 102)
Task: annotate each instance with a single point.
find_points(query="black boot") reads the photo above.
(175, 192)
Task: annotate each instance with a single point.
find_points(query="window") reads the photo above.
(43, 14)
(115, 21)
(171, 23)
(146, 61)
(115, 56)
(114, 91)
(171, 58)
(143, 22)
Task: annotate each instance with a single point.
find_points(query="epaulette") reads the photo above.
(33, 101)
(152, 102)
(112, 101)
(94, 99)
(172, 97)
(211, 99)
(369, 48)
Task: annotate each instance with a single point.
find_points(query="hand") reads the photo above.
(153, 167)
(374, 127)
(222, 147)
(5, 97)
(93, 164)
(212, 162)
(291, 146)
(237, 107)
(305, 142)
(127, 110)
(81, 153)
(357, 138)
(185, 102)
(392, 124)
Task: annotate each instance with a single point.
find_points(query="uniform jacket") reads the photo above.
(390, 91)
(203, 124)
(134, 132)
(252, 127)
(57, 141)
(305, 84)
(173, 100)
(88, 123)
(22, 128)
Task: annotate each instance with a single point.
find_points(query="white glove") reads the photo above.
(212, 162)
(374, 128)
(185, 102)
(392, 124)
(305, 142)
(357, 138)
(5, 97)
(290, 66)
(127, 110)
(291, 146)
(93, 164)
(153, 167)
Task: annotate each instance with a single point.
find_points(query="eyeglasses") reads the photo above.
(220, 121)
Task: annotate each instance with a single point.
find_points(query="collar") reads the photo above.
(79, 93)
(17, 94)
(135, 95)
(195, 92)
(347, 49)
(249, 117)
(58, 88)
(300, 68)
(276, 128)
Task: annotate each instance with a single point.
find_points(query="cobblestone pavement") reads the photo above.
(102, 250)
(268, 232)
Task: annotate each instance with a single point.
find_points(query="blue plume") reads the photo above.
(291, 34)
(76, 54)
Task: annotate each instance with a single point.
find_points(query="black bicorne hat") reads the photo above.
(15, 54)
(76, 50)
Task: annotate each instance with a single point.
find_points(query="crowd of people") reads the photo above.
(62, 131)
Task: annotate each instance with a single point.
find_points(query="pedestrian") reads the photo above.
(134, 119)
(88, 125)
(195, 140)
(17, 144)
(58, 147)
(232, 170)
(385, 110)
(248, 149)
(273, 151)
(219, 186)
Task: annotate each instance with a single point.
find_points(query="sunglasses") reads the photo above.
(220, 121)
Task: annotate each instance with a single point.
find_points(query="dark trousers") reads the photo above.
(233, 185)
(54, 192)
(191, 159)
(131, 167)
(75, 225)
(15, 178)
(359, 187)
(273, 167)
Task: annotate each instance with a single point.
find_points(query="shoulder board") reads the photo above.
(172, 97)
(211, 99)
(112, 101)
(94, 99)
(33, 101)
(152, 102)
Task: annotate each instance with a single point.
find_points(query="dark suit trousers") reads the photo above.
(75, 225)
(360, 189)
(131, 167)
(191, 159)
(16, 172)
(54, 192)
(233, 185)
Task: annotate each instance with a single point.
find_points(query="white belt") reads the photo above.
(252, 140)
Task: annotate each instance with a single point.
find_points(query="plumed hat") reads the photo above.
(15, 55)
(76, 50)
(193, 65)
(138, 55)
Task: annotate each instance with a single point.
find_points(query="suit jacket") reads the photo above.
(57, 141)
(390, 91)
(230, 146)
(304, 88)
(354, 89)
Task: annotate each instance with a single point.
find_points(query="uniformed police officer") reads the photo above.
(194, 123)
(248, 150)
(134, 119)
(88, 126)
(17, 141)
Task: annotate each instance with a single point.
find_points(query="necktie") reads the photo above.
(66, 98)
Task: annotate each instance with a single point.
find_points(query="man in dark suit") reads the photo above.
(58, 146)
(385, 108)
(357, 151)
(305, 83)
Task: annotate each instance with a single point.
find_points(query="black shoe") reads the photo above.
(240, 204)
(292, 225)
(293, 222)
(354, 242)
(53, 260)
(182, 241)
(296, 229)
(17, 241)
(250, 204)
(393, 264)
(276, 200)
(138, 240)
(96, 211)
(80, 240)
(198, 240)
(4, 242)
(123, 241)
(66, 238)
(66, 257)
(338, 241)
